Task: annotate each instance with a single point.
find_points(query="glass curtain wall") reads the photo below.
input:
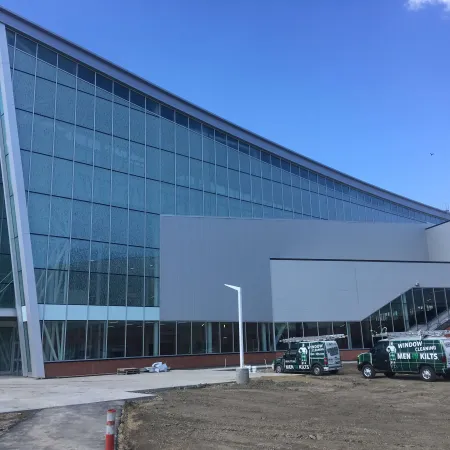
(101, 162)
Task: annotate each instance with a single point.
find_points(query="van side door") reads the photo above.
(380, 357)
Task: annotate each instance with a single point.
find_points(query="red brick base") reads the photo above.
(108, 366)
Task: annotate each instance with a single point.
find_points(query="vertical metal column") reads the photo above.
(17, 219)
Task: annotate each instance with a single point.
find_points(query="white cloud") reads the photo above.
(415, 5)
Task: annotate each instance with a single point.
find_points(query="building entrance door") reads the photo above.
(10, 363)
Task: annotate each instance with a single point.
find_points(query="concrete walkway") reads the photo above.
(79, 427)
(72, 411)
(19, 393)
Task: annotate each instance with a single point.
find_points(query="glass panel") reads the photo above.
(167, 167)
(153, 196)
(410, 309)
(65, 104)
(310, 329)
(182, 170)
(136, 228)
(56, 287)
(136, 260)
(251, 337)
(98, 289)
(117, 289)
(119, 190)
(355, 334)
(168, 135)
(137, 159)
(85, 112)
(397, 314)
(265, 337)
(75, 339)
(41, 173)
(135, 292)
(134, 338)
(119, 225)
(151, 292)
(103, 115)
(182, 140)
(420, 310)
(23, 87)
(100, 222)
(44, 102)
(183, 338)
(281, 332)
(430, 306)
(102, 150)
(195, 145)
(167, 333)
(58, 253)
(82, 186)
(341, 328)
(167, 198)
(79, 255)
(121, 120)
(198, 337)
(81, 220)
(102, 186)
(151, 334)
(96, 340)
(212, 337)
(137, 193)
(84, 145)
(196, 174)
(116, 339)
(62, 178)
(386, 318)
(52, 340)
(367, 333)
(60, 217)
(38, 213)
(226, 337)
(182, 201)
(325, 328)
(441, 304)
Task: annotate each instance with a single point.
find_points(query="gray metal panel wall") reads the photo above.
(199, 255)
(438, 239)
(345, 290)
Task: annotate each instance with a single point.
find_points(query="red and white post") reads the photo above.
(110, 429)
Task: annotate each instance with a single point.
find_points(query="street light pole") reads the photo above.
(241, 325)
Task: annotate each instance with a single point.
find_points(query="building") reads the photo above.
(126, 209)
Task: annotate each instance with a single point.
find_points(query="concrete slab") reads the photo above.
(79, 427)
(19, 393)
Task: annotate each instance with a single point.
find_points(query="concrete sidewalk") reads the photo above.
(72, 411)
(19, 393)
(79, 427)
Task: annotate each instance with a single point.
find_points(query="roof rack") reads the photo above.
(325, 337)
(419, 333)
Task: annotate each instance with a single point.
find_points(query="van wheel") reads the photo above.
(368, 371)
(427, 373)
(389, 374)
(278, 369)
(317, 370)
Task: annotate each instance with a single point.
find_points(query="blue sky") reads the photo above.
(362, 86)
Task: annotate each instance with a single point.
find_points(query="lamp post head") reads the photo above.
(236, 288)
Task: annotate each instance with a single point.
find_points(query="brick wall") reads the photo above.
(107, 366)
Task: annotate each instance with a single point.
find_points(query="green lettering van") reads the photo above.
(423, 353)
(316, 355)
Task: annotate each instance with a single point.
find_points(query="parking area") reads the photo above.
(294, 412)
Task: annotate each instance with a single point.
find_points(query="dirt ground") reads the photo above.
(294, 412)
(8, 420)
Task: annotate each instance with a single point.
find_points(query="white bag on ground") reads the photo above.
(157, 367)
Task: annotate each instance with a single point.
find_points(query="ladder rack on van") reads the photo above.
(325, 337)
(420, 333)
